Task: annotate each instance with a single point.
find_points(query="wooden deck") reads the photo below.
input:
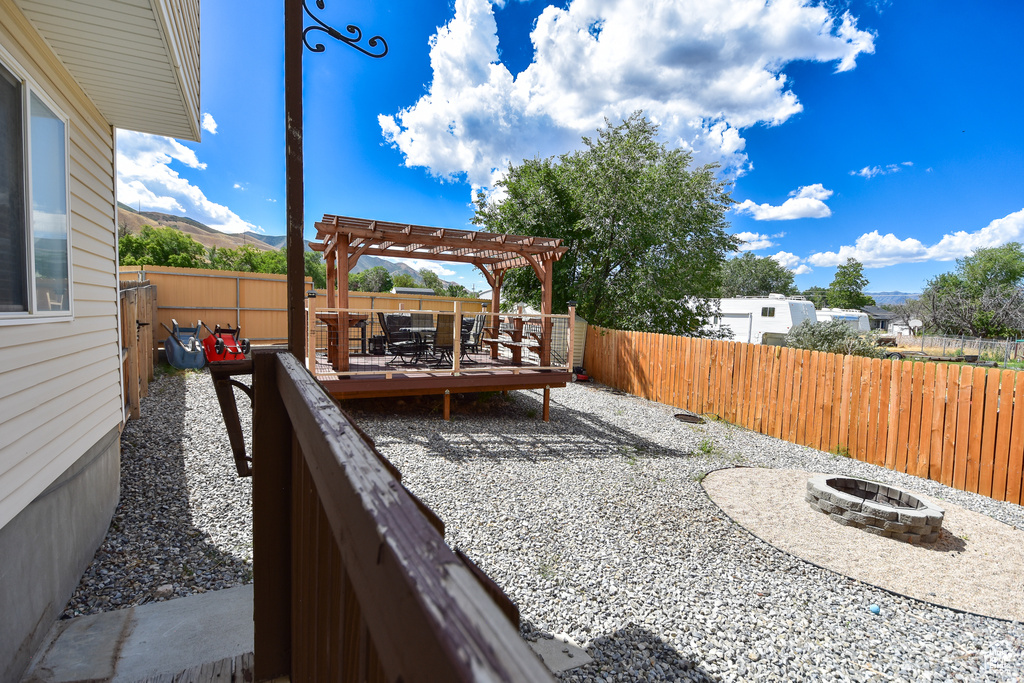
(420, 378)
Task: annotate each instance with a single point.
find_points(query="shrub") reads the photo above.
(833, 336)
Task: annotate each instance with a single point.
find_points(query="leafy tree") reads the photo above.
(376, 279)
(403, 280)
(432, 280)
(160, 247)
(750, 275)
(645, 233)
(847, 288)
(833, 336)
(983, 297)
(316, 268)
(456, 290)
(817, 295)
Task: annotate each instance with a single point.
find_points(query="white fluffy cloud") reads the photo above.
(145, 177)
(869, 172)
(875, 250)
(419, 264)
(805, 202)
(209, 125)
(754, 241)
(702, 71)
(791, 262)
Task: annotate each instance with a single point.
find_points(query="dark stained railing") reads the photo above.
(353, 580)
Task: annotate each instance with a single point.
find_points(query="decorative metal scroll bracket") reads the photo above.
(378, 46)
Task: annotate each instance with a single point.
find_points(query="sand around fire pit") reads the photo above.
(977, 565)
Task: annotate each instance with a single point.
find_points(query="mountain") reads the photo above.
(892, 298)
(133, 220)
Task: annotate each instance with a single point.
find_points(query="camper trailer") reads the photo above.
(858, 320)
(763, 320)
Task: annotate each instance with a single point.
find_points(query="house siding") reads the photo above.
(60, 381)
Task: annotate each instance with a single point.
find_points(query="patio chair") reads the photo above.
(444, 338)
(411, 347)
(471, 341)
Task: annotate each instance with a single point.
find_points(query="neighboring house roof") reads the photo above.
(878, 313)
(137, 60)
(421, 291)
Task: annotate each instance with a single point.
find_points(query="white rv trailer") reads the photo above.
(763, 320)
(858, 320)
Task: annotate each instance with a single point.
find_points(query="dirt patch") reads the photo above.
(977, 564)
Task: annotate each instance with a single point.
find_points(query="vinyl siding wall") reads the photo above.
(60, 383)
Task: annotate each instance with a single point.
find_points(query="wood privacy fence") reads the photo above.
(137, 305)
(959, 425)
(354, 581)
(255, 301)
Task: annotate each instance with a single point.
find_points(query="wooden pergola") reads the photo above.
(343, 239)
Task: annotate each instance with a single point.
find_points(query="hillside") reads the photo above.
(132, 220)
(892, 298)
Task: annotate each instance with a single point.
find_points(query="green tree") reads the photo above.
(816, 295)
(456, 290)
(376, 279)
(983, 297)
(403, 280)
(161, 247)
(316, 268)
(431, 280)
(645, 233)
(847, 288)
(750, 275)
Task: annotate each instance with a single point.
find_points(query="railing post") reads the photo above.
(311, 332)
(272, 511)
(457, 338)
(571, 336)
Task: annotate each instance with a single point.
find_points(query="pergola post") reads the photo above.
(342, 278)
(546, 287)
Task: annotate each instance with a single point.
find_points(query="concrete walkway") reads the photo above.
(153, 640)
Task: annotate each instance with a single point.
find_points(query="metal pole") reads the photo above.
(295, 211)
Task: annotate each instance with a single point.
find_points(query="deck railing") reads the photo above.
(344, 342)
(353, 578)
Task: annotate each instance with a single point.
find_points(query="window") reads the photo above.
(35, 276)
(768, 312)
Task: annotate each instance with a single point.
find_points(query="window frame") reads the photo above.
(36, 312)
(767, 311)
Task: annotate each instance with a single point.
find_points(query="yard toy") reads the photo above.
(224, 344)
(182, 348)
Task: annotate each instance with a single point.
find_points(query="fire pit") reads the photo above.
(875, 508)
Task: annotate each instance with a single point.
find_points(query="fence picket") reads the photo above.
(786, 392)
(871, 424)
(881, 433)
(825, 437)
(972, 480)
(987, 455)
(1003, 434)
(963, 428)
(936, 421)
(1015, 461)
(916, 407)
(893, 422)
(906, 401)
(950, 424)
(924, 441)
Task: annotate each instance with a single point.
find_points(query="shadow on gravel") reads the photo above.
(152, 541)
(579, 435)
(632, 653)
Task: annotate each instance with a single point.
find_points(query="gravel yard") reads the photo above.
(596, 524)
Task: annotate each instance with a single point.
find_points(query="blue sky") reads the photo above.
(890, 130)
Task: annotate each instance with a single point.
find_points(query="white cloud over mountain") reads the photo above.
(805, 202)
(145, 177)
(875, 250)
(702, 71)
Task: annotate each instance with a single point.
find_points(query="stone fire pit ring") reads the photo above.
(876, 508)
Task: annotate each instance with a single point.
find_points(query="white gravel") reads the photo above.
(595, 524)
